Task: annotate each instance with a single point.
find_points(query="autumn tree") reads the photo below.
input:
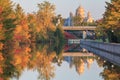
(21, 32)
(111, 20)
(32, 26)
(45, 16)
(6, 19)
(20, 15)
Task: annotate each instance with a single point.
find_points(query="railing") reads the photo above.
(109, 47)
(110, 51)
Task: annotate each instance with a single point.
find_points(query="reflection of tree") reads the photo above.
(42, 59)
(110, 72)
(44, 65)
(100, 61)
(43, 62)
(15, 58)
(9, 70)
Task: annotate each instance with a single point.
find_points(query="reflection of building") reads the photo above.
(79, 63)
(81, 13)
(69, 60)
(81, 67)
(89, 62)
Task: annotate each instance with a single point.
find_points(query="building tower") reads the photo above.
(80, 12)
(89, 18)
(71, 18)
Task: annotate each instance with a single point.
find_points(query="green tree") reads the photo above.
(77, 20)
(111, 20)
(59, 34)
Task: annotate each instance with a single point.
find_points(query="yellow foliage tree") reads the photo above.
(45, 16)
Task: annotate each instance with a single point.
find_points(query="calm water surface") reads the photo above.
(46, 62)
(65, 72)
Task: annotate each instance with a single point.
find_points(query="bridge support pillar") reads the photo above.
(84, 34)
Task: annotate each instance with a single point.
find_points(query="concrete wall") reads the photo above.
(109, 51)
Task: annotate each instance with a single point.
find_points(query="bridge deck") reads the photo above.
(79, 27)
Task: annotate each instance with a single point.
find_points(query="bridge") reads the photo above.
(83, 28)
(80, 54)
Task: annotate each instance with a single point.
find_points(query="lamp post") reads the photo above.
(112, 31)
(113, 38)
(58, 22)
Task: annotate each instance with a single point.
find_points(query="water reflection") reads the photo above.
(41, 58)
(79, 63)
(110, 71)
(14, 60)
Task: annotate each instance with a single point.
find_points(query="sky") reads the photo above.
(64, 7)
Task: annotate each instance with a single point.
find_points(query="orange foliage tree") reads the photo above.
(21, 32)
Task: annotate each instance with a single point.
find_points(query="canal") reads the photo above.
(49, 62)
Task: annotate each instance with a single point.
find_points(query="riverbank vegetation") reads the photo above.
(21, 28)
(21, 38)
(109, 25)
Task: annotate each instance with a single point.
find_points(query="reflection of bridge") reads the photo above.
(73, 41)
(79, 54)
(80, 28)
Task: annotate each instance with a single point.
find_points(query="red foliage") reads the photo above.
(99, 20)
(1, 79)
(69, 36)
(67, 47)
(18, 37)
(17, 51)
(1, 10)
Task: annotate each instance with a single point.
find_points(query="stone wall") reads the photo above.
(110, 51)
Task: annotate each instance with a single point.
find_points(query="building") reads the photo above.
(69, 21)
(89, 18)
(79, 12)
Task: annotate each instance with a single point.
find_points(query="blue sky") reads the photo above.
(64, 7)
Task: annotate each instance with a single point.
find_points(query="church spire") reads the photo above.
(80, 12)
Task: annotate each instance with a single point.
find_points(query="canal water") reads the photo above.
(51, 62)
